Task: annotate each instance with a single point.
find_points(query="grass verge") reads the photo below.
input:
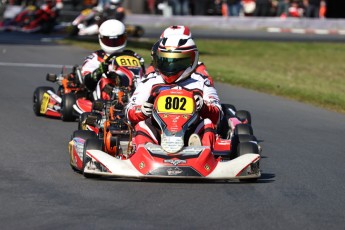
(308, 72)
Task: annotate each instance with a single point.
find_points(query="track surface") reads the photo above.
(302, 186)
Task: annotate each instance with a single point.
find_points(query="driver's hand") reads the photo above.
(104, 67)
(199, 102)
(146, 109)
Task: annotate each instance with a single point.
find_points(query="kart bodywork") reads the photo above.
(174, 111)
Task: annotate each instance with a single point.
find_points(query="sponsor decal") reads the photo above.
(207, 167)
(174, 171)
(44, 105)
(175, 120)
(142, 165)
(175, 162)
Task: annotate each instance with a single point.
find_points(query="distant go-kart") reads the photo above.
(174, 157)
(59, 104)
(89, 20)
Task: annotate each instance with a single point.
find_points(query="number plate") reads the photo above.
(175, 104)
(128, 61)
(44, 104)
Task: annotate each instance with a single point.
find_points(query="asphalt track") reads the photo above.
(302, 184)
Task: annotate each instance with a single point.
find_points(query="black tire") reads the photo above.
(82, 118)
(68, 100)
(84, 134)
(243, 129)
(74, 30)
(38, 97)
(139, 32)
(91, 144)
(244, 115)
(247, 147)
(246, 138)
(223, 126)
(244, 148)
(47, 27)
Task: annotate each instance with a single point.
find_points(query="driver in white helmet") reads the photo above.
(177, 30)
(177, 59)
(112, 39)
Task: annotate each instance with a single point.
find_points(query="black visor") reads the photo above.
(171, 66)
(113, 41)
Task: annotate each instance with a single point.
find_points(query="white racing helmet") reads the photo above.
(112, 36)
(115, 2)
(177, 57)
(176, 30)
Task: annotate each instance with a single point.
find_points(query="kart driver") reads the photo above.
(177, 59)
(48, 12)
(176, 30)
(112, 39)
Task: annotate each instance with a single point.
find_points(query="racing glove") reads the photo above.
(97, 73)
(146, 109)
(199, 102)
(104, 67)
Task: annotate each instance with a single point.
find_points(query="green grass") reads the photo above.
(308, 72)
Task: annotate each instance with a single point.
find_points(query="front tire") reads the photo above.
(68, 100)
(245, 148)
(38, 97)
(91, 144)
(244, 115)
(83, 134)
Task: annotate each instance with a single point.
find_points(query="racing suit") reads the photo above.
(145, 127)
(92, 71)
(200, 69)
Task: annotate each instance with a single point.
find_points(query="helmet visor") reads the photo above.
(113, 41)
(171, 64)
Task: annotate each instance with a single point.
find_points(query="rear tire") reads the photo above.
(223, 127)
(74, 30)
(68, 100)
(139, 32)
(243, 129)
(244, 115)
(38, 97)
(91, 144)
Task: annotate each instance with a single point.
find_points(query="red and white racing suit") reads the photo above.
(92, 63)
(210, 112)
(200, 69)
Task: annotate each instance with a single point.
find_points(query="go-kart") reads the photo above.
(88, 21)
(107, 124)
(47, 102)
(126, 70)
(109, 111)
(175, 112)
(30, 19)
